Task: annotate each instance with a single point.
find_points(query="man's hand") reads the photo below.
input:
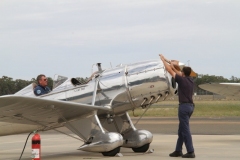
(162, 57)
(167, 66)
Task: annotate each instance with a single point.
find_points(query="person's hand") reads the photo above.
(162, 57)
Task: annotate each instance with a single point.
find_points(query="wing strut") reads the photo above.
(96, 88)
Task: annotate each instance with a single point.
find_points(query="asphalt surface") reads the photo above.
(198, 126)
(213, 138)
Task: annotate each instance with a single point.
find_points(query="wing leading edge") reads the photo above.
(40, 111)
(231, 90)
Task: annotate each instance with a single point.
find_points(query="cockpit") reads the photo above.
(59, 83)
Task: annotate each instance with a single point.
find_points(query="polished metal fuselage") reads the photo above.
(122, 88)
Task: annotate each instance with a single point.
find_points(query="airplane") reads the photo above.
(97, 111)
(229, 90)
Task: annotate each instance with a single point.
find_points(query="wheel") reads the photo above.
(112, 152)
(144, 148)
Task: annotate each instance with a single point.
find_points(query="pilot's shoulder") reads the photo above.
(37, 87)
(38, 90)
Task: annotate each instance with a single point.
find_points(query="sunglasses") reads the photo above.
(45, 79)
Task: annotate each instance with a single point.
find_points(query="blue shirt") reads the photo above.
(40, 90)
(185, 88)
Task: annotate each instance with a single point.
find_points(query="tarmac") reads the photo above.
(213, 138)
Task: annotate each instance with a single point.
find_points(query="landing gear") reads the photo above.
(112, 152)
(144, 148)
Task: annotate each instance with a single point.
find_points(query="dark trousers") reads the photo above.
(185, 111)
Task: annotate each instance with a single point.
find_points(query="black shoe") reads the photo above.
(189, 155)
(176, 154)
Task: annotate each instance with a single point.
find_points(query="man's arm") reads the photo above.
(167, 66)
(164, 59)
(178, 72)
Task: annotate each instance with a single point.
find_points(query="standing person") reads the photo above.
(42, 87)
(185, 110)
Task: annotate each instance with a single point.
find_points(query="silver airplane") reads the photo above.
(97, 112)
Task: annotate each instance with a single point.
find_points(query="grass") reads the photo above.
(202, 109)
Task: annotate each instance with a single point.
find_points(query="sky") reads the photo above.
(67, 37)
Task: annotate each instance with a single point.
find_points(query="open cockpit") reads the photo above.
(60, 83)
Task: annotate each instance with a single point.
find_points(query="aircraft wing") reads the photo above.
(40, 111)
(231, 90)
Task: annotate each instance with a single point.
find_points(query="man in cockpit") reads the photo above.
(42, 87)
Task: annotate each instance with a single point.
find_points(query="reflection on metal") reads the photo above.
(137, 138)
(103, 142)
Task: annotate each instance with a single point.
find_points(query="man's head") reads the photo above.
(186, 71)
(42, 80)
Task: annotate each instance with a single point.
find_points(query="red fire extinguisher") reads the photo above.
(36, 147)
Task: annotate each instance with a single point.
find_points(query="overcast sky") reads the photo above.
(68, 37)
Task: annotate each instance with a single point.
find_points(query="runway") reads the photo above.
(213, 138)
(198, 125)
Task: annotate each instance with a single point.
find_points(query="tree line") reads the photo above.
(10, 86)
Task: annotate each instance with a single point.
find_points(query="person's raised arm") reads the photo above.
(167, 66)
(178, 72)
(164, 59)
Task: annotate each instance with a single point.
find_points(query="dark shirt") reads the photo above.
(185, 89)
(40, 90)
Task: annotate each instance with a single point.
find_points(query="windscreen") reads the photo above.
(58, 80)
